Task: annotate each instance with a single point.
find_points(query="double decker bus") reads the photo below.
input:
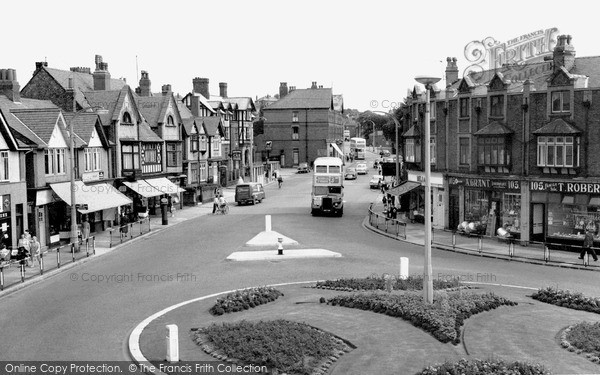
(327, 196)
(357, 148)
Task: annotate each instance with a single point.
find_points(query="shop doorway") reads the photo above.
(454, 211)
(537, 222)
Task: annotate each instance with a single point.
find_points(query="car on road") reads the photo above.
(350, 174)
(361, 168)
(303, 168)
(375, 181)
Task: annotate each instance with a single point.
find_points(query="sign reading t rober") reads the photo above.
(565, 187)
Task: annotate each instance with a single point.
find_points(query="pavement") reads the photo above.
(491, 247)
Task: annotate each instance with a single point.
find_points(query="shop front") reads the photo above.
(562, 211)
(146, 194)
(487, 205)
(413, 201)
(97, 204)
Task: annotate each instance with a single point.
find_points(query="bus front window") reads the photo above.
(321, 190)
(335, 190)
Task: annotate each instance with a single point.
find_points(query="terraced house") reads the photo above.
(512, 148)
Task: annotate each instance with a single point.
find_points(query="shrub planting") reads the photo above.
(442, 319)
(244, 299)
(583, 338)
(380, 283)
(569, 299)
(481, 367)
(289, 347)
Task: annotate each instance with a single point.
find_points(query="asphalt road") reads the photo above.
(87, 312)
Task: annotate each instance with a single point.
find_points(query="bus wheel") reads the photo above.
(314, 212)
(340, 212)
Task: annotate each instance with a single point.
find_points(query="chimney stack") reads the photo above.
(283, 90)
(9, 85)
(223, 89)
(101, 75)
(451, 71)
(314, 85)
(564, 53)
(166, 89)
(145, 84)
(201, 87)
(40, 64)
(80, 69)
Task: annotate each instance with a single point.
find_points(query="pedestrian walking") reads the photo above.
(85, 229)
(124, 225)
(215, 204)
(36, 251)
(279, 180)
(588, 245)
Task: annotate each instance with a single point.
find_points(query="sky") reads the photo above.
(368, 51)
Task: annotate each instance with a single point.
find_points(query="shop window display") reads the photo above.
(511, 214)
(570, 218)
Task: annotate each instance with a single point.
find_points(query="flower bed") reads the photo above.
(566, 298)
(381, 283)
(289, 347)
(480, 367)
(244, 299)
(583, 338)
(442, 319)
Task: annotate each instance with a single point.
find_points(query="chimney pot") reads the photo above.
(101, 75)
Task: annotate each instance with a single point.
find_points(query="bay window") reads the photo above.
(493, 151)
(55, 159)
(558, 151)
(413, 150)
(131, 156)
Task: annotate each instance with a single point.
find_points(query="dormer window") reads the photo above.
(126, 119)
(497, 105)
(561, 101)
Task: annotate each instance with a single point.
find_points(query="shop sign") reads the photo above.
(4, 215)
(485, 183)
(565, 187)
(92, 176)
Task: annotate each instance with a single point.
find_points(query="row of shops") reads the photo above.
(555, 211)
(101, 204)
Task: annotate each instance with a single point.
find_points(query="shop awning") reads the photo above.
(164, 185)
(404, 188)
(143, 188)
(43, 197)
(335, 147)
(97, 197)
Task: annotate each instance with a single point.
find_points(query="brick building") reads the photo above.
(302, 125)
(512, 148)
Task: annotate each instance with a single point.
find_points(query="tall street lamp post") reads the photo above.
(427, 272)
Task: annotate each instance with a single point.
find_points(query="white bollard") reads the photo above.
(172, 343)
(403, 268)
(267, 223)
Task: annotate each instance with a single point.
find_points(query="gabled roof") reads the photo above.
(305, 99)
(494, 128)
(213, 125)
(84, 125)
(146, 133)
(112, 101)
(19, 134)
(241, 103)
(557, 126)
(412, 132)
(216, 105)
(188, 125)
(153, 108)
(41, 122)
(201, 99)
(82, 82)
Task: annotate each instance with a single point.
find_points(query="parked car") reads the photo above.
(376, 163)
(303, 168)
(251, 192)
(361, 168)
(350, 174)
(374, 183)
